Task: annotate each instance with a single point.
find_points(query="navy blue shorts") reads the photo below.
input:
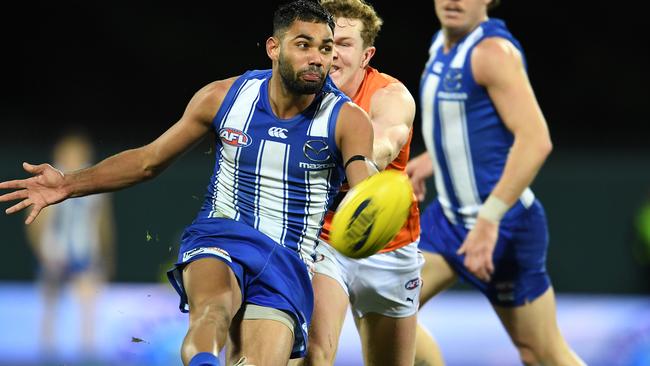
(74, 267)
(519, 256)
(269, 274)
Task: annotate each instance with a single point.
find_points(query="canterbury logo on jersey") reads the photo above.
(234, 137)
(278, 132)
(437, 67)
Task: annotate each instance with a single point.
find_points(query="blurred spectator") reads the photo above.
(73, 243)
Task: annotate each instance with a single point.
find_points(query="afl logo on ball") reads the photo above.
(412, 284)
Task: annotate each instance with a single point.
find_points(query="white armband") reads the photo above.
(493, 209)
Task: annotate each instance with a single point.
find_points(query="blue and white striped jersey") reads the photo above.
(277, 175)
(72, 233)
(462, 130)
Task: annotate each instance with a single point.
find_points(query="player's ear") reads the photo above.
(273, 48)
(367, 56)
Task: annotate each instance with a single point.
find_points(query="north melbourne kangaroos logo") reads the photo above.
(234, 137)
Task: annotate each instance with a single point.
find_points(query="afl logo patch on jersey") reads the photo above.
(413, 284)
(234, 137)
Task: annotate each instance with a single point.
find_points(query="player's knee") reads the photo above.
(211, 309)
(528, 352)
(543, 353)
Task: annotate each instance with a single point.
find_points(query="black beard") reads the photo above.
(294, 83)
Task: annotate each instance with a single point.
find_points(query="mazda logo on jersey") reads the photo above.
(234, 137)
(316, 150)
(453, 80)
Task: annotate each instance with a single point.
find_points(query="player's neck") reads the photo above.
(454, 35)
(353, 88)
(284, 102)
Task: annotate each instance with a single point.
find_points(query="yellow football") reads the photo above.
(371, 214)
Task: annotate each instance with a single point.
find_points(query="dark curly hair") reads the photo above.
(300, 10)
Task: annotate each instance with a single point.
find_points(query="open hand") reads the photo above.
(418, 170)
(43, 189)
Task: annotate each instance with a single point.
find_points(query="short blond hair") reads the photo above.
(357, 9)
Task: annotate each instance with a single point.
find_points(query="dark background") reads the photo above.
(131, 66)
(125, 71)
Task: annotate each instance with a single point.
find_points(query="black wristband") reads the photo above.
(354, 158)
(360, 157)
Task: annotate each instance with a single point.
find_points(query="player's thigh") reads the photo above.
(330, 307)
(210, 282)
(437, 275)
(534, 324)
(387, 340)
(264, 342)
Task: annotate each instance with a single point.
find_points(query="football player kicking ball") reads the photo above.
(382, 289)
(239, 271)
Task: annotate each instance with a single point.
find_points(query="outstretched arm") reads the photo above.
(498, 66)
(392, 110)
(354, 136)
(48, 186)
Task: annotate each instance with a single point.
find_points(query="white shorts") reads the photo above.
(385, 283)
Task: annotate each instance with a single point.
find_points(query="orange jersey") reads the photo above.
(373, 81)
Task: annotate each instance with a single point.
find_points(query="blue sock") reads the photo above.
(204, 359)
